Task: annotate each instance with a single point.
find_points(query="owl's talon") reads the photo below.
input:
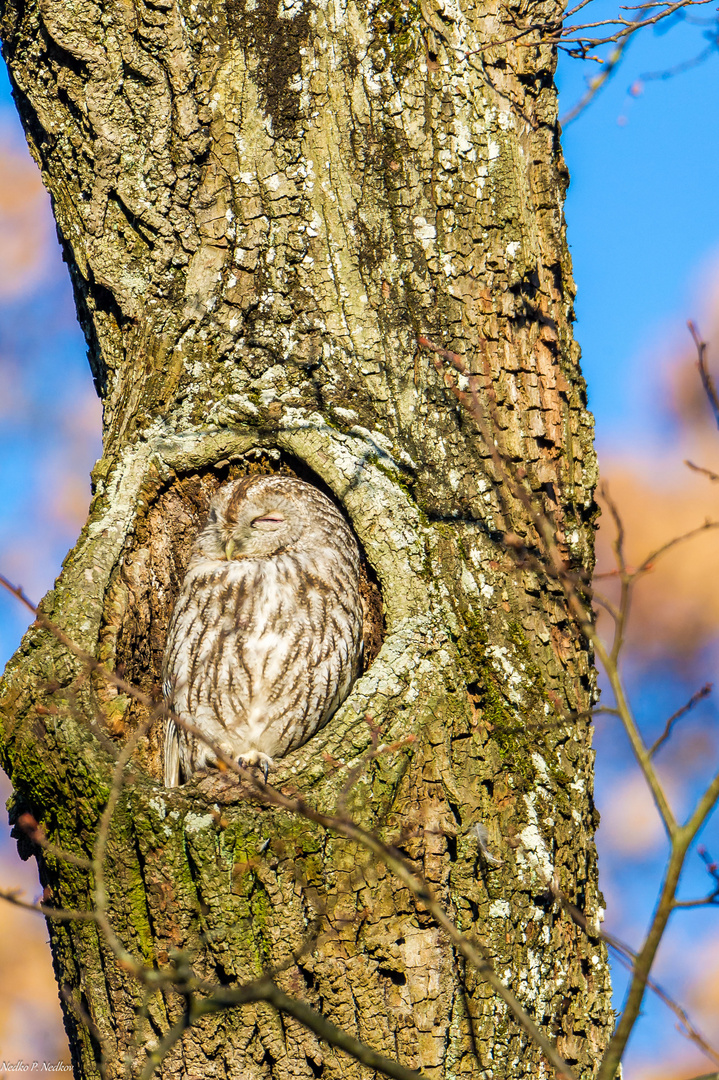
(254, 759)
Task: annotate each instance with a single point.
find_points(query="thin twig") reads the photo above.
(628, 957)
(625, 579)
(648, 563)
(598, 82)
(710, 900)
(714, 477)
(693, 700)
(565, 36)
(87, 658)
(627, 26)
(98, 857)
(12, 896)
(707, 381)
(375, 751)
(713, 896)
(266, 990)
(34, 832)
(84, 1017)
(681, 841)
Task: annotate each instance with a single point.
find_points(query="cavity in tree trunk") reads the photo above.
(262, 207)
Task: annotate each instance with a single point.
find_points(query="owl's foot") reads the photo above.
(256, 759)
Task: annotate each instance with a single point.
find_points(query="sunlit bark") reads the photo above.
(261, 209)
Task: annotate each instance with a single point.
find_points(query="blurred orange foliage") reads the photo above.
(675, 611)
(26, 226)
(31, 1026)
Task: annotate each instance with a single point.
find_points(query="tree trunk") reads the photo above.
(262, 207)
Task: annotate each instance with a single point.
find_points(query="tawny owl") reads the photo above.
(266, 636)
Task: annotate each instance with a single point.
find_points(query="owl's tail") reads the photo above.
(172, 754)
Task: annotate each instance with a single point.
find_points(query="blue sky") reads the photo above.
(642, 216)
(643, 228)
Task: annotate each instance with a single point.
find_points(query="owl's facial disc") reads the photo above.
(242, 542)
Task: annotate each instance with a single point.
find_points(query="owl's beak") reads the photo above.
(229, 549)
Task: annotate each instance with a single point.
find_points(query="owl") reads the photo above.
(265, 639)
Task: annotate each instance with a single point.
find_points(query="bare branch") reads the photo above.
(625, 579)
(648, 563)
(714, 477)
(173, 1036)
(598, 82)
(266, 990)
(572, 35)
(12, 896)
(707, 381)
(574, 39)
(85, 1018)
(693, 700)
(685, 65)
(87, 658)
(681, 841)
(36, 833)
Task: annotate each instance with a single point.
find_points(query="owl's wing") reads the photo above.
(172, 754)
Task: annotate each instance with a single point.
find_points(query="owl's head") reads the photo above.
(259, 516)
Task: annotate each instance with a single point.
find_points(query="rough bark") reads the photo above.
(261, 207)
